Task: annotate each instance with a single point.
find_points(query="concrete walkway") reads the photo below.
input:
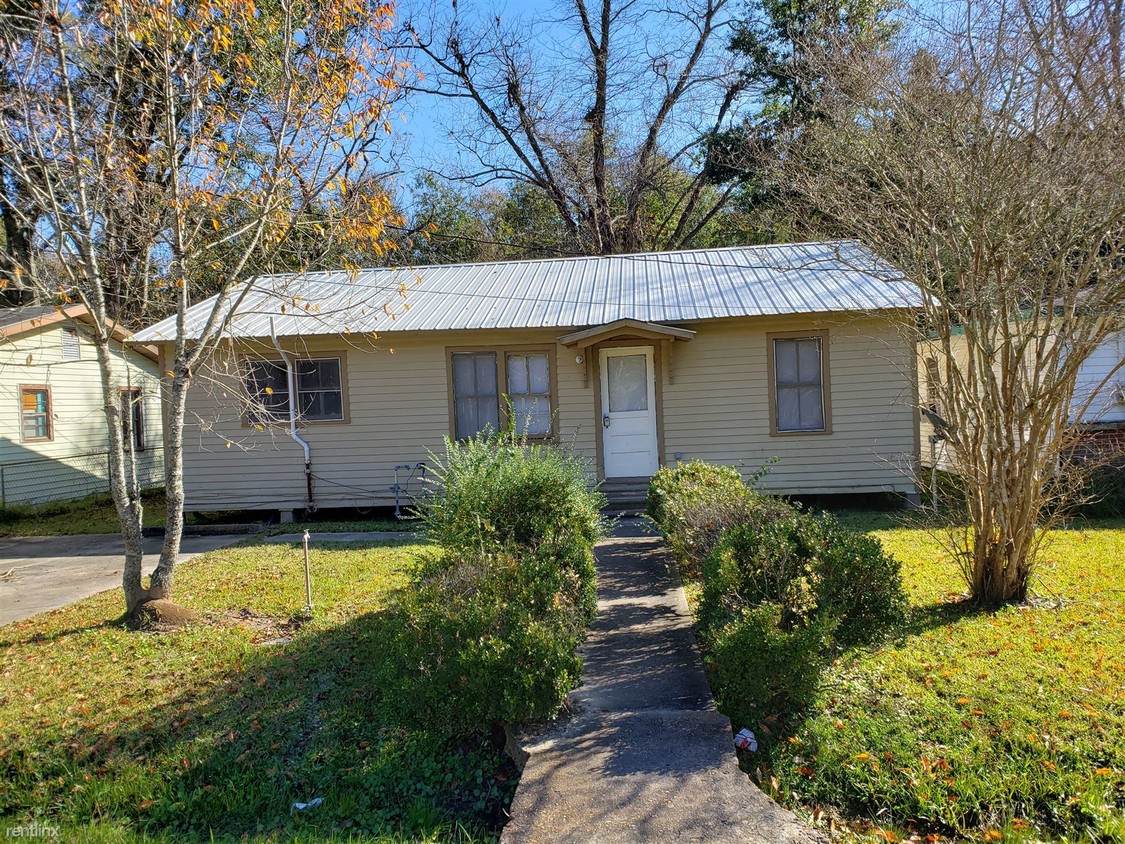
(646, 758)
(40, 573)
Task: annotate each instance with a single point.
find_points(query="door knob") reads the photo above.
(605, 421)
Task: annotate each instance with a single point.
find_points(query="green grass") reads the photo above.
(1005, 725)
(210, 732)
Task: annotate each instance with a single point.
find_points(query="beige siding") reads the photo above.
(715, 409)
(77, 448)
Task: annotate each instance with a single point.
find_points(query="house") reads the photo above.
(53, 437)
(785, 356)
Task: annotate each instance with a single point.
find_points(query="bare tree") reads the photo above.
(609, 125)
(985, 157)
(161, 144)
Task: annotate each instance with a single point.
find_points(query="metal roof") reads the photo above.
(665, 287)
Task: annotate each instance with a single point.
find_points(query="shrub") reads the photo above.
(810, 567)
(485, 638)
(490, 631)
(695, 502)
(489, 493)
(760, 673)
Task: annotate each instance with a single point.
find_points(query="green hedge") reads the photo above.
(489, 631)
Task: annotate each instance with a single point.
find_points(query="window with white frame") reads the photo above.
(320, 390)
(798, 385)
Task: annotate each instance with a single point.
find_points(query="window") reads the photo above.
(35, 414)
(798, 373)
(71, 349)
(477, 401)
(133, 414)
(320, 390)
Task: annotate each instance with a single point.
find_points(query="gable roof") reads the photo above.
(17, 321)
(565, 292)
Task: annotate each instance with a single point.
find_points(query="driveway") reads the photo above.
(48, 572)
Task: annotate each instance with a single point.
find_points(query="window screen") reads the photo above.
(35, 413)
(529, 388)
(476, 397)
(798, 382)
(133, 414)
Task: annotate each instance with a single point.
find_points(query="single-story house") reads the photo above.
(783, 356)
(53, 435)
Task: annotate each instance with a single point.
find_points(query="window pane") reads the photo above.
(476, 399)
(538, 373)
(788, 409)
(785, 361)
(808, 366)
(628, 382)
(517, 375)
(532, 415)
(812, 409)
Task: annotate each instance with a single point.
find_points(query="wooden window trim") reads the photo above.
(50, 413)
(825, 381)
(345, 404)
(139, 393)
(502, 353)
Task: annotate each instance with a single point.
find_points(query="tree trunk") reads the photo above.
(127, 502)
(173, 484)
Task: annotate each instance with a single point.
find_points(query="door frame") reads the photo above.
(595, 353)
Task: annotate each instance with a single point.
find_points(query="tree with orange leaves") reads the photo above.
(165, 149)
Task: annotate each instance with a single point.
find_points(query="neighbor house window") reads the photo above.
(798, 376)
(35, 414)
(71, 349)
(933, 384)
(497, 387)
(320, 390)
(133, 414)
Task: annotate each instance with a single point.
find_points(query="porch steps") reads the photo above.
(625, 496)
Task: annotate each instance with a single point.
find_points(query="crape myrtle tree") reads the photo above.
(165, 150)
(985, 157)
(597, 108)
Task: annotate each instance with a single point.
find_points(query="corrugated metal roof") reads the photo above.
(564, 292)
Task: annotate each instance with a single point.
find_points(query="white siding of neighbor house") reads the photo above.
(73, 463)
(715, 408)
(1107, 406)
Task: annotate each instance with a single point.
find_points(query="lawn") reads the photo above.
(214, 731)
(1005, 725)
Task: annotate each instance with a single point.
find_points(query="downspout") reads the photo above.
(291, 379)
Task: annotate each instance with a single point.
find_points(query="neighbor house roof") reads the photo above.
(661, 287)
(17, 321)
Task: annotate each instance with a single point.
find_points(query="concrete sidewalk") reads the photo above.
(646, 757)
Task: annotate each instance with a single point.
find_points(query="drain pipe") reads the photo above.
(291, 380)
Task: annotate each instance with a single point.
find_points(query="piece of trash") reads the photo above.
(312, 804)
(746, 740)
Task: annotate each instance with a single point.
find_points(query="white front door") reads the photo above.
(629, 448)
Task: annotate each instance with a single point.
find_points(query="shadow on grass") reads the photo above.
(229, 755)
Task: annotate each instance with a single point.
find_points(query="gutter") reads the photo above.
(291, 375)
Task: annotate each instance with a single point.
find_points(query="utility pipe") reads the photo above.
(291, 380)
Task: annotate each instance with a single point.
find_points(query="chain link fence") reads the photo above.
(27, 482)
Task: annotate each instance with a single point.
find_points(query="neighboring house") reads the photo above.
(1098, 408)
(784, 355)
(53, 437)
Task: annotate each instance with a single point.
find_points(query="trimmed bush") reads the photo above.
(762, 674)
(695, 502)
(811, 568)
(486, 638)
